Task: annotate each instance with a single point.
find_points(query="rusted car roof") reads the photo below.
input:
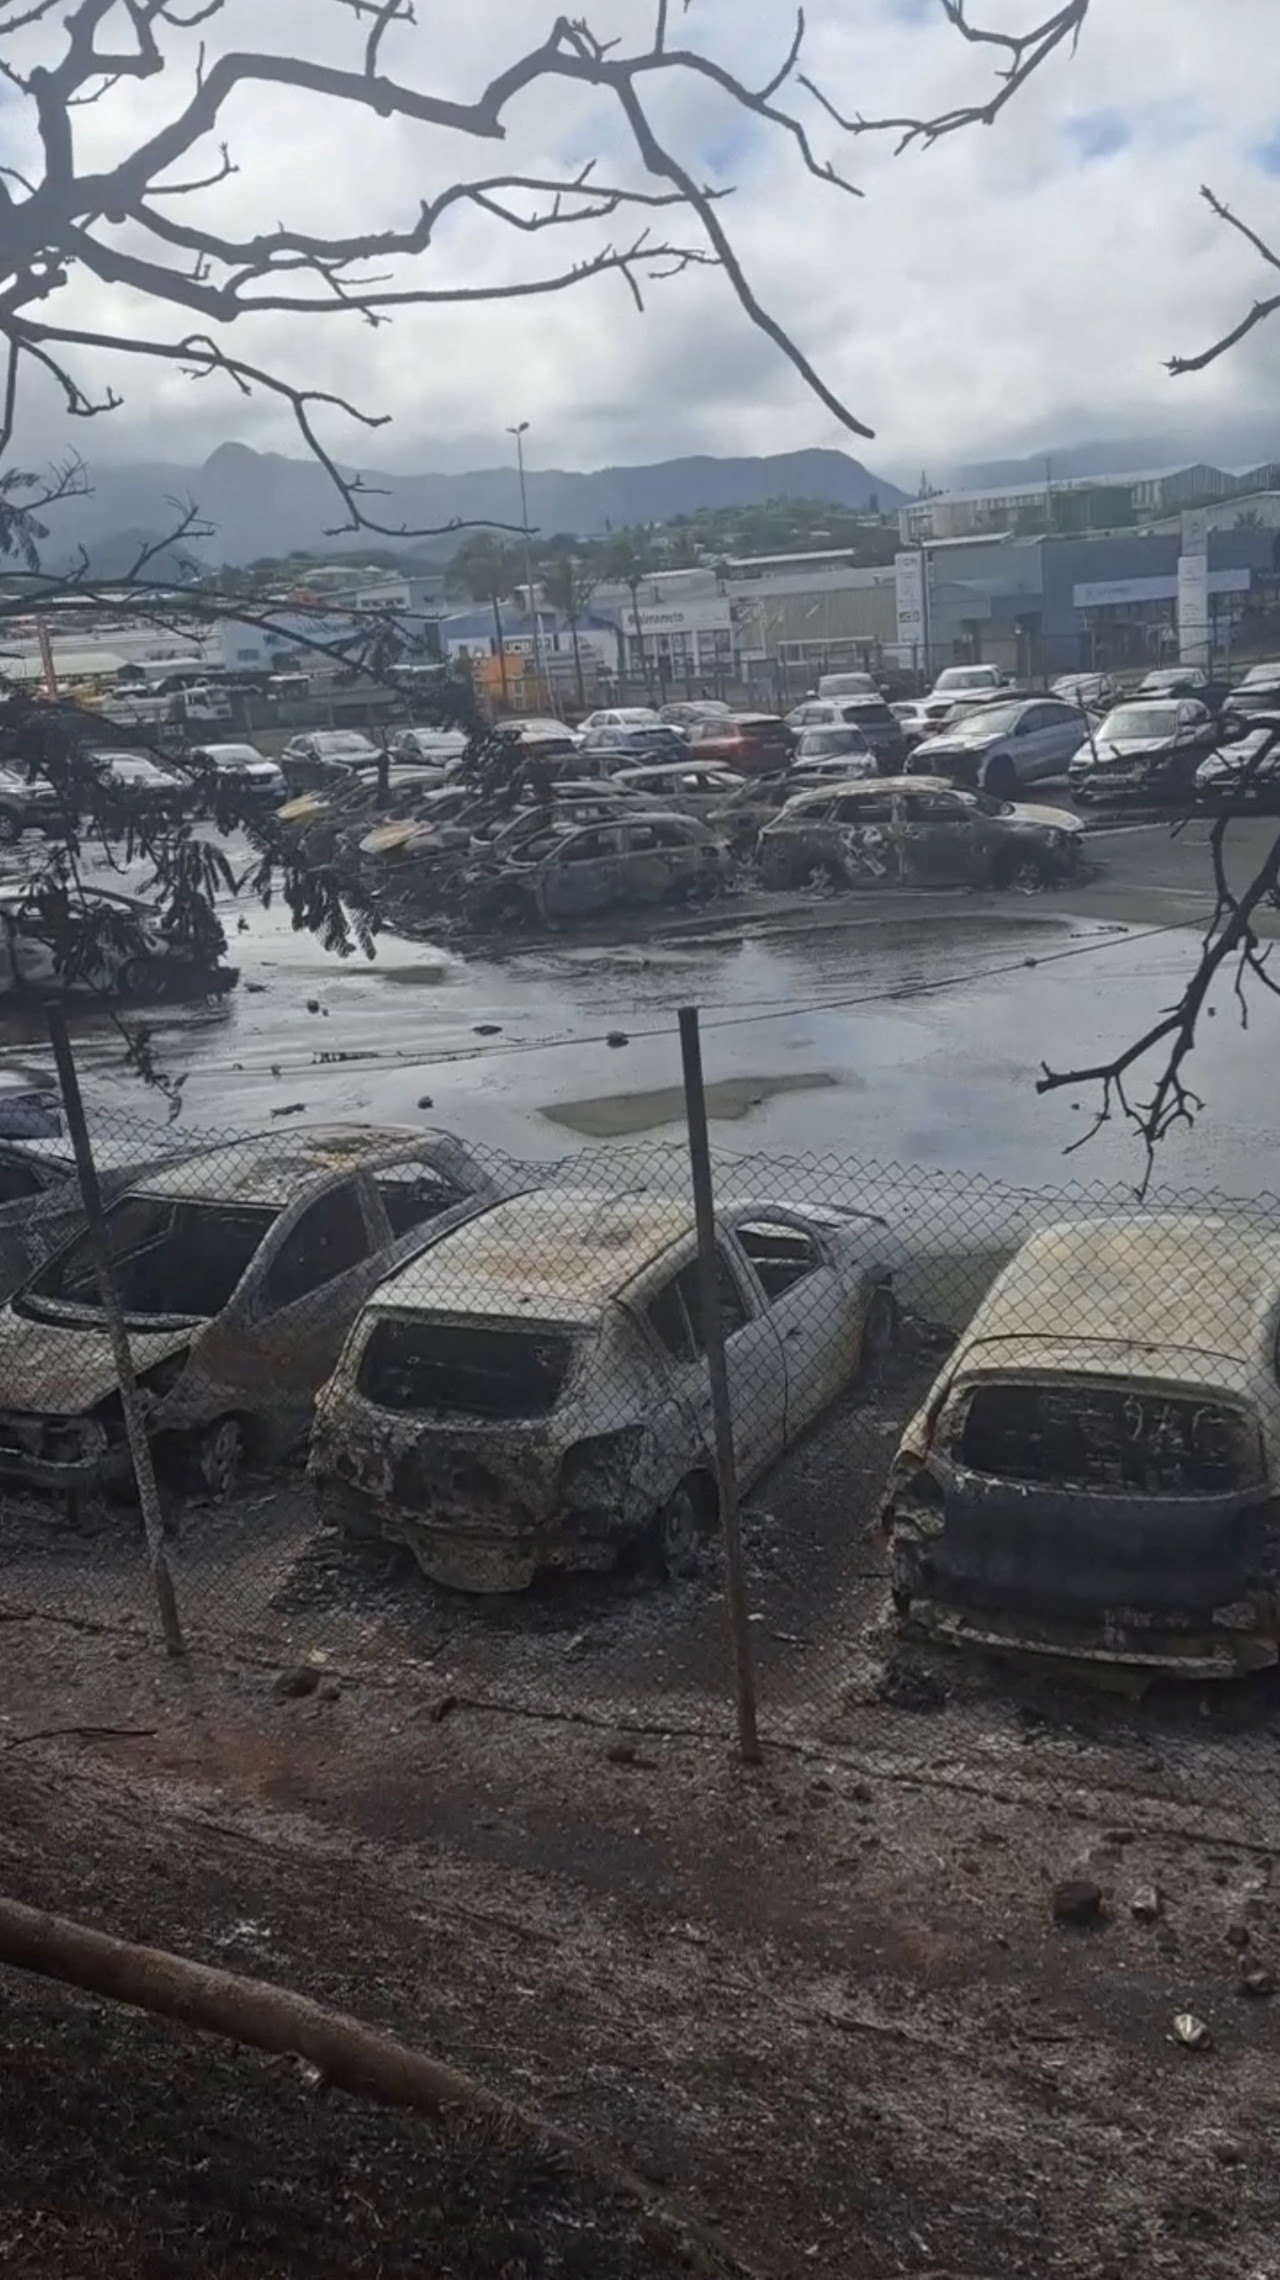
(1178, 1282)
(560, 1254)
(270, 1167)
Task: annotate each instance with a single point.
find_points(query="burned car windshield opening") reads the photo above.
(1111, 1436)
(182, 1258)
(463, 1369)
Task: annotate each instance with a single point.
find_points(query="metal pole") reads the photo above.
(135, 1428)
(713, 1336)
(544, 693)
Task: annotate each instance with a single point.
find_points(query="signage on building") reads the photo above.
(678, 617)
(1112, 593)
(908, 580)
(1193, 589)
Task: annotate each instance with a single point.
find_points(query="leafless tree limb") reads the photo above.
(1258, 314)
(1026, 53)
(1230, 944)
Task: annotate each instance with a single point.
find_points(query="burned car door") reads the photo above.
(811, 1306)
(869, 839)
(659, 860)
(942, 842)
(671, 1310)
(281, 1339)
(583, 876)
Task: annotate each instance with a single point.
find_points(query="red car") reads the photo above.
(751, 744)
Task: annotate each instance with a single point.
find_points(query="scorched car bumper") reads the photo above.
(58, 1452)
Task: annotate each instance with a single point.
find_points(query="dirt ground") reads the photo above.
(826, 2013)
(822, 2009)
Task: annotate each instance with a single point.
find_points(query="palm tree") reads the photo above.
(486, 569)
(629, 559)
(568, 585)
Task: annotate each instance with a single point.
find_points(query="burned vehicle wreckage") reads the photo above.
(530, 1394)
(240, 1269)
(530, 830)
(525, 832)
(1096, 1472)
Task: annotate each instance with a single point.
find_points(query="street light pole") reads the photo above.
(544, 692)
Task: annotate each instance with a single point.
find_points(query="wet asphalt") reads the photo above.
(902, 1028)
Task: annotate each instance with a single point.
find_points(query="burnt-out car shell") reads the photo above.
(916, 831)
(239, 1270)
(531, 1394)
(1096, 1472)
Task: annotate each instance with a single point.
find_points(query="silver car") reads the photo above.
(531, 1394)
(998, 747)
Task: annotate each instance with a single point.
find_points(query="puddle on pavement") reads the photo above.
(616, 1116)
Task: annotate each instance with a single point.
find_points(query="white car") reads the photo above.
(847, 685)
(241, 765)
(531, 1393)
(960, 680)
(625, 716)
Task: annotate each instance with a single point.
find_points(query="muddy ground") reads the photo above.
(823, 2008)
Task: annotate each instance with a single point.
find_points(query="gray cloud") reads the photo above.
(995, 292)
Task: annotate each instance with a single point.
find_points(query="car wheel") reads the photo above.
(217, 1456)
(881, 1328)
(1000, 777)
(1024, 871)
(142, 978)
(679, 1533)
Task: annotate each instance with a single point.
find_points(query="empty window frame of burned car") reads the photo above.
(415, 1367)
(1077, 1433)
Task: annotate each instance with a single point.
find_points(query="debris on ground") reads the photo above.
(1077, 1900)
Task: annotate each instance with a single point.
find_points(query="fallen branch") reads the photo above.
(346, 2054)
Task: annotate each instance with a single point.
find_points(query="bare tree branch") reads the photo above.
(1260, 311)
(1167, 1044)
(1026, 52)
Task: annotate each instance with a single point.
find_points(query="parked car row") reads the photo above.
(511, 1380)
(508, 1382)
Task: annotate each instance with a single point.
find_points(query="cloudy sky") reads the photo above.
(1012, 288)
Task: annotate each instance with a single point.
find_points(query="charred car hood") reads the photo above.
(63, 1369)
(1045, 819)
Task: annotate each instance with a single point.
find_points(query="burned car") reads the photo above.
(240, 1270)
(1096, 1473)
(568, 873)
(531, 1394)
(917, 831)
(133, 954)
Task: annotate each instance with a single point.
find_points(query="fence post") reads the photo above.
(135, 1428)
(713, 1335)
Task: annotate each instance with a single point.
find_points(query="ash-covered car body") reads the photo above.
(132, 955)
(532, 1395)
(571, 873)
(917, 831)
(691, 788)
(1096, 1472)
(240, 1269)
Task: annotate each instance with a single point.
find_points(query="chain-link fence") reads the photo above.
(414, 1404)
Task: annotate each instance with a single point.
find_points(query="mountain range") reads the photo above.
(263, 503)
